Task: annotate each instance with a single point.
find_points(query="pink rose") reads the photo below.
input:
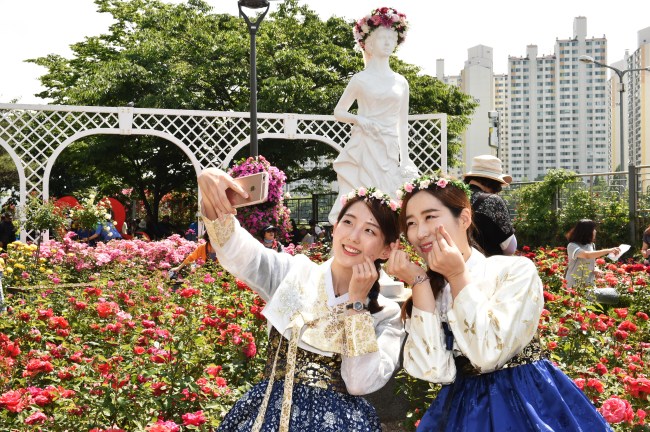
(442, 183)
(616, 410)
(408, 187)
(37, 418)
(362, 191)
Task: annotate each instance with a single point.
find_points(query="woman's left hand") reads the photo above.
(364, 276)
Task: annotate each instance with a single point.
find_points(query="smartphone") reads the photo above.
(257, 187)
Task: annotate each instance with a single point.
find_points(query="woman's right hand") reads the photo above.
(400, 265)
(368, 126)
(213, 184)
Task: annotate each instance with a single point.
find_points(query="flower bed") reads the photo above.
(107, 341)
(111, 344)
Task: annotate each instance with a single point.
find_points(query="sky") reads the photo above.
(438, 30)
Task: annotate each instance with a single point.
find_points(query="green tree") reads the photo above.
(161, 55)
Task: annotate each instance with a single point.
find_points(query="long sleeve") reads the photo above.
(496, 316)
(425, 354)
(369, 372)
(198, 252)
(246, 258)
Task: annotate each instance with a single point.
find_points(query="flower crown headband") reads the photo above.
(386, 17)
(431, 181)
(371, 193)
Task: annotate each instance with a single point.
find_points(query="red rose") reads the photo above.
(194, 419)
(14, 400)
(250, 350)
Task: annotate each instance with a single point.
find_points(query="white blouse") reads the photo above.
(299, 290)
(493, 318)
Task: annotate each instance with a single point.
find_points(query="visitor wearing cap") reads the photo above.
(494, 231)
(269, 240)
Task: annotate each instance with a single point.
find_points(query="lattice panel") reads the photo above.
(33, 133)
(428, 144)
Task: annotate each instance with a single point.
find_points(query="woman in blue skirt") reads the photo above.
(332, 336)
(472, 324)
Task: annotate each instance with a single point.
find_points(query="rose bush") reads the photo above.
(106, 342)
(100, 339)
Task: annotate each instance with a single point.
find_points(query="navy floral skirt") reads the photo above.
(313, 409)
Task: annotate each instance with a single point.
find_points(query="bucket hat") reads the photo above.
(488, 166)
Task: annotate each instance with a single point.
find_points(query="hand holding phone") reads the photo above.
(215, 184)
(255, 185)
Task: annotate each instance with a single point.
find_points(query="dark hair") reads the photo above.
(493, 185)
(455, 199)
(387, 221)
(582, 232)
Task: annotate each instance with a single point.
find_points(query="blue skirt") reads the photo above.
(531, 397)
(313, 409)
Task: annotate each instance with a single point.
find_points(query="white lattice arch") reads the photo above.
(77, 136)
(35, 135)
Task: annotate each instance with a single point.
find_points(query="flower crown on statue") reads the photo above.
(384, 16)
(371, 193)
(431, 182)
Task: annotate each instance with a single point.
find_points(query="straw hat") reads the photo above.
(488, 166)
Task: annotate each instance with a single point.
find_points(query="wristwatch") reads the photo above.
(356, 306)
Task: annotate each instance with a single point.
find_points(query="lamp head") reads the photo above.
(586, 59)
(253, 4)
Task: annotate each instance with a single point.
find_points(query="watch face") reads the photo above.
(357, 306)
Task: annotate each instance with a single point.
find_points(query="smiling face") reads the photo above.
(425, 213)
(357, 235)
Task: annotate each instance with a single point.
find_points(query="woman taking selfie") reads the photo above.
(332, 335)
(472, 324)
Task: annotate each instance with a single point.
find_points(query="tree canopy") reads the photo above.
(183, 56)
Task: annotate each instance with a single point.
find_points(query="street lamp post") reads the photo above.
(621, 89)
(632, 179)
(253, 26)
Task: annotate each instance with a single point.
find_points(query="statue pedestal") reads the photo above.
(393, 289)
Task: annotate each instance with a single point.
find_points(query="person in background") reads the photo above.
(316, 229)
(306, 236)
(7, 231)
(472, 325)
(581, 267)
(202, 254)
(645, 246)
(192, 233)
(269, 240)
(104, 232)
(2, 295)
(495, 234)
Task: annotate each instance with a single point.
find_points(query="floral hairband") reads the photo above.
(371, 193)
(427, 181)
(384, 16)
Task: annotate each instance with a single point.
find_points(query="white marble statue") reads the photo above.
(377, 153)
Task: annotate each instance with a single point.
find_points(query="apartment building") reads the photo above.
(637, 97)
(558, 109)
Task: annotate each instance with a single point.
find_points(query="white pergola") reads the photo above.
(35, 135)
